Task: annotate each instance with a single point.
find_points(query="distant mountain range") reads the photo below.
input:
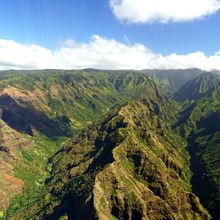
(103, 144)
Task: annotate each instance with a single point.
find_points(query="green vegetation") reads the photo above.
(200, 123)
(110, 144)
(33, 170)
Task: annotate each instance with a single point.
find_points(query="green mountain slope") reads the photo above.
(46, 108)
(198, 87)
(79, 95)
(169, 80)
(129, 165)
(172, 80)
(200, 123)
(93, 144)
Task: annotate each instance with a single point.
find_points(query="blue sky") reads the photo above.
(49, 23)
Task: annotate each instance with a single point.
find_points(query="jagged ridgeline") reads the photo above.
(93, 144)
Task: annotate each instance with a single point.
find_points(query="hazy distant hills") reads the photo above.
(199, 87)
(98, 144)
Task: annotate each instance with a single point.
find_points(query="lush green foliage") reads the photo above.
(106, 143)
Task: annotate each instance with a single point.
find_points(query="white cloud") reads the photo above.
(99, 53)
(19, 56)
(163, 11)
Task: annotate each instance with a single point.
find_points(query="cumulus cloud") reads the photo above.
(101, 53)
(163, 11)
(19, 56)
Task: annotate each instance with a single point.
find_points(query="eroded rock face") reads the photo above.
(11, 141)
(10, 186)
(25, 118)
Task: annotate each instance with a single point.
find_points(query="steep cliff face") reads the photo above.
(27, 112)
